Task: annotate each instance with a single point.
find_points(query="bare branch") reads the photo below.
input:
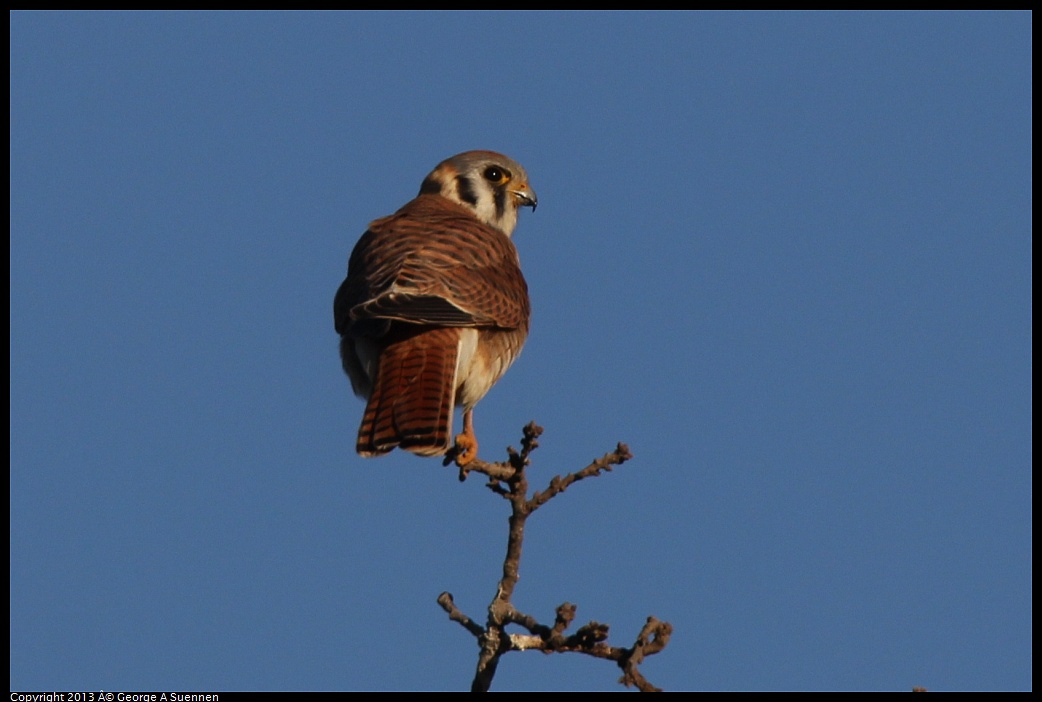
(652, 639)
(565, 617)
(509, 480)
(445, 600)
(620, 455)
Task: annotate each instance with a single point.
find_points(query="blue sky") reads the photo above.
(785, 257)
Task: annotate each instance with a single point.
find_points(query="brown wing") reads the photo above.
(432, 262)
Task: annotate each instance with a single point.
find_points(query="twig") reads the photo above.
(508, 480)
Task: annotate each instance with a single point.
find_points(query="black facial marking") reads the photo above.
(466, 190)
(500, 198)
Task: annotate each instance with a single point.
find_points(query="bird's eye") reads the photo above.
(495, 174)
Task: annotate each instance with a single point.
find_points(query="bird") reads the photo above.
(434, 308)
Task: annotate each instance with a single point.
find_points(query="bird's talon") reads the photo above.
(466, 449)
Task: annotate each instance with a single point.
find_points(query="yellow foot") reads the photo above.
(466, 448)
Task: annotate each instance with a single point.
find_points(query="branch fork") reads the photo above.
(509, 480)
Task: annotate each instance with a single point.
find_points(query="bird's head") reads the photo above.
(491, 185)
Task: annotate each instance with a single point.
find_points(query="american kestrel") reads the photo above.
(434, 308)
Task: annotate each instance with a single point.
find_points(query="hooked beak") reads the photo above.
(525, 197)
